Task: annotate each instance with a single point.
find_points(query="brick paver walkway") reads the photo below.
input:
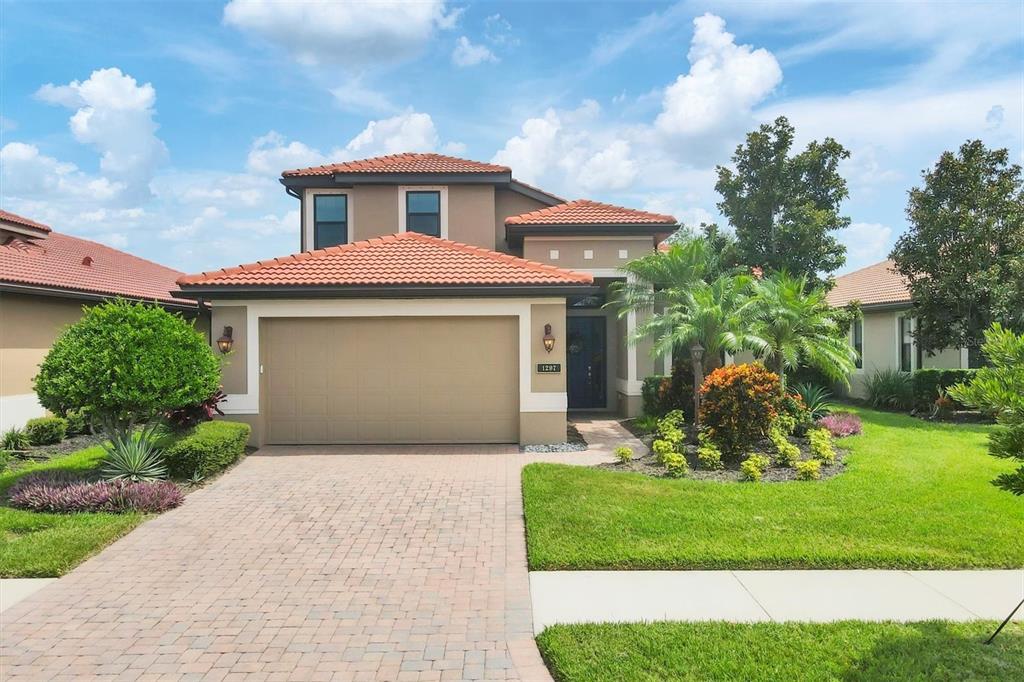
(305, 564)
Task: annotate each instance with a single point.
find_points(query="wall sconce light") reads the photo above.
(549, 339)
(225, 342)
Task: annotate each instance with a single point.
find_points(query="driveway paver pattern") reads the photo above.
(306, 563)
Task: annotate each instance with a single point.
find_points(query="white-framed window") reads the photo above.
(423, 209)
(907, 346)
(857, 341)
(328, 218)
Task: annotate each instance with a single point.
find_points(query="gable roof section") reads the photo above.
(401, 163)
(877, 284)
(587, 212)
(408, 259)
(8, 217)
(62, 263)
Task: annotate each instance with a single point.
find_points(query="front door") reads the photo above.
(586, 360)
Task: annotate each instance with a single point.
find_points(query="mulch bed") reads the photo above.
(730, 471)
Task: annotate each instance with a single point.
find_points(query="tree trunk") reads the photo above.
(698, 380)
(780, 369)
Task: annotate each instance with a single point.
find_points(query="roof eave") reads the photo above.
(187, 301)
(516, 231)
(351, 179)
(234, 291)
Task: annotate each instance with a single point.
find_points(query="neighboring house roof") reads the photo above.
(408, 259)
(62, 263)
(877, 284)
(587, 212)
(8, 217)
(530, 190)
(402, 163)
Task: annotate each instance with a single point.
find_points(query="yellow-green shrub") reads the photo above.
(623, 454)
(754, 466)
(675, 465)
(821, 445)
(786, 454)
(808, 470)
(662, 448)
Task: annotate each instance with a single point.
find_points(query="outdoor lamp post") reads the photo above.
(697, 360)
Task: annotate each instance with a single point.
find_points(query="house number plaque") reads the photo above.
(549, 368)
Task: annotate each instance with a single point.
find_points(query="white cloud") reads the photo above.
(114, 115)
(866, 243)
(498, 31)
(26, 173)
(271, 154)
(206, 217)
(352, 34)
(353, 96)
(713, 101)
(466, 53)
(408, 132)
(611, 168)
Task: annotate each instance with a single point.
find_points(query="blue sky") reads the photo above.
(161, 128)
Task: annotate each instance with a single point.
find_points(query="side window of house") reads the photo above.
(858, 342)
(906, 344)
(330, 220)
(423, 212)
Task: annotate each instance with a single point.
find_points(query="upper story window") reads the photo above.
(423, 212)
(330, 220)
(858, 342)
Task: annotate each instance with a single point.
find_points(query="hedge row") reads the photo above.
(930, 383)
(206, 449)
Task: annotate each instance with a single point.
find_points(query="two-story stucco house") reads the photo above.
(884, 338)
(435, 300)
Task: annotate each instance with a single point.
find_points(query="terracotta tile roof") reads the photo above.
(586, 212)
(408, 258)
(873, 285)
(60, 261)
(7, 216)
(402, 163)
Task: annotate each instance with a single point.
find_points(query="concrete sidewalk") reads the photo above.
(13, 590)
(750, 596)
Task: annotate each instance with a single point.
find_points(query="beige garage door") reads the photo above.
(391, 380)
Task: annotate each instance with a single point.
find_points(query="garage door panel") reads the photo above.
(391, 380)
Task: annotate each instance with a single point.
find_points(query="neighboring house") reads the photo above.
(45, 279)
(436, 300)
(884, 338)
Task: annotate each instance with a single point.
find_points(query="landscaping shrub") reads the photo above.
(14, 439)
(624, 454)
(196, 413)
(661, 449)
(46, 430)
(63, 493)
(792, 406)
(675, 465)
(645, 423)
(817, 399)
(661, 394)
(207, 449)
(78, 422)
(670, 428)
(786, 454)
(754, 466)
(5, 459)
(931, 384)
(841, 424)
(821, 445)
(738, 405)
(808, 470)
(890, 389)
(709, 456)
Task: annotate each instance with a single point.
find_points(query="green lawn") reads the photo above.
(34, 545)
(915, 494)
(929, 651)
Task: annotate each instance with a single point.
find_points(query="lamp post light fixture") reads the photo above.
(549, 339)
(697, 358)
(225, 342)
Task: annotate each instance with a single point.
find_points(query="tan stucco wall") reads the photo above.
(374, 211)
(541, 427)
(233, 365)
(506, 204)
(470, 212)
(571, 250)
(947, 358)
(553, 314)
(28, 327)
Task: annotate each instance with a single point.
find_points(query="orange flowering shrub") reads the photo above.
(738, 404)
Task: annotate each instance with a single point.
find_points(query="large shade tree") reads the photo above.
(794, 326)
(785, 207)
(963, 254)
(687, 302)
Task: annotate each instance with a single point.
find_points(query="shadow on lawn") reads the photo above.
(938, 650)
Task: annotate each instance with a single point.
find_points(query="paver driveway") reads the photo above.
(304, 566)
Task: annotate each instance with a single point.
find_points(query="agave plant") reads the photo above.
(817, 399)
(134, 457)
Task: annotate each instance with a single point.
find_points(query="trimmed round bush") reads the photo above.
(46, 430)
(207, 449)
(126, 363)
(738, 405)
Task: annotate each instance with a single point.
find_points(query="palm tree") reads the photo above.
(683, 310)
(793, 325)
